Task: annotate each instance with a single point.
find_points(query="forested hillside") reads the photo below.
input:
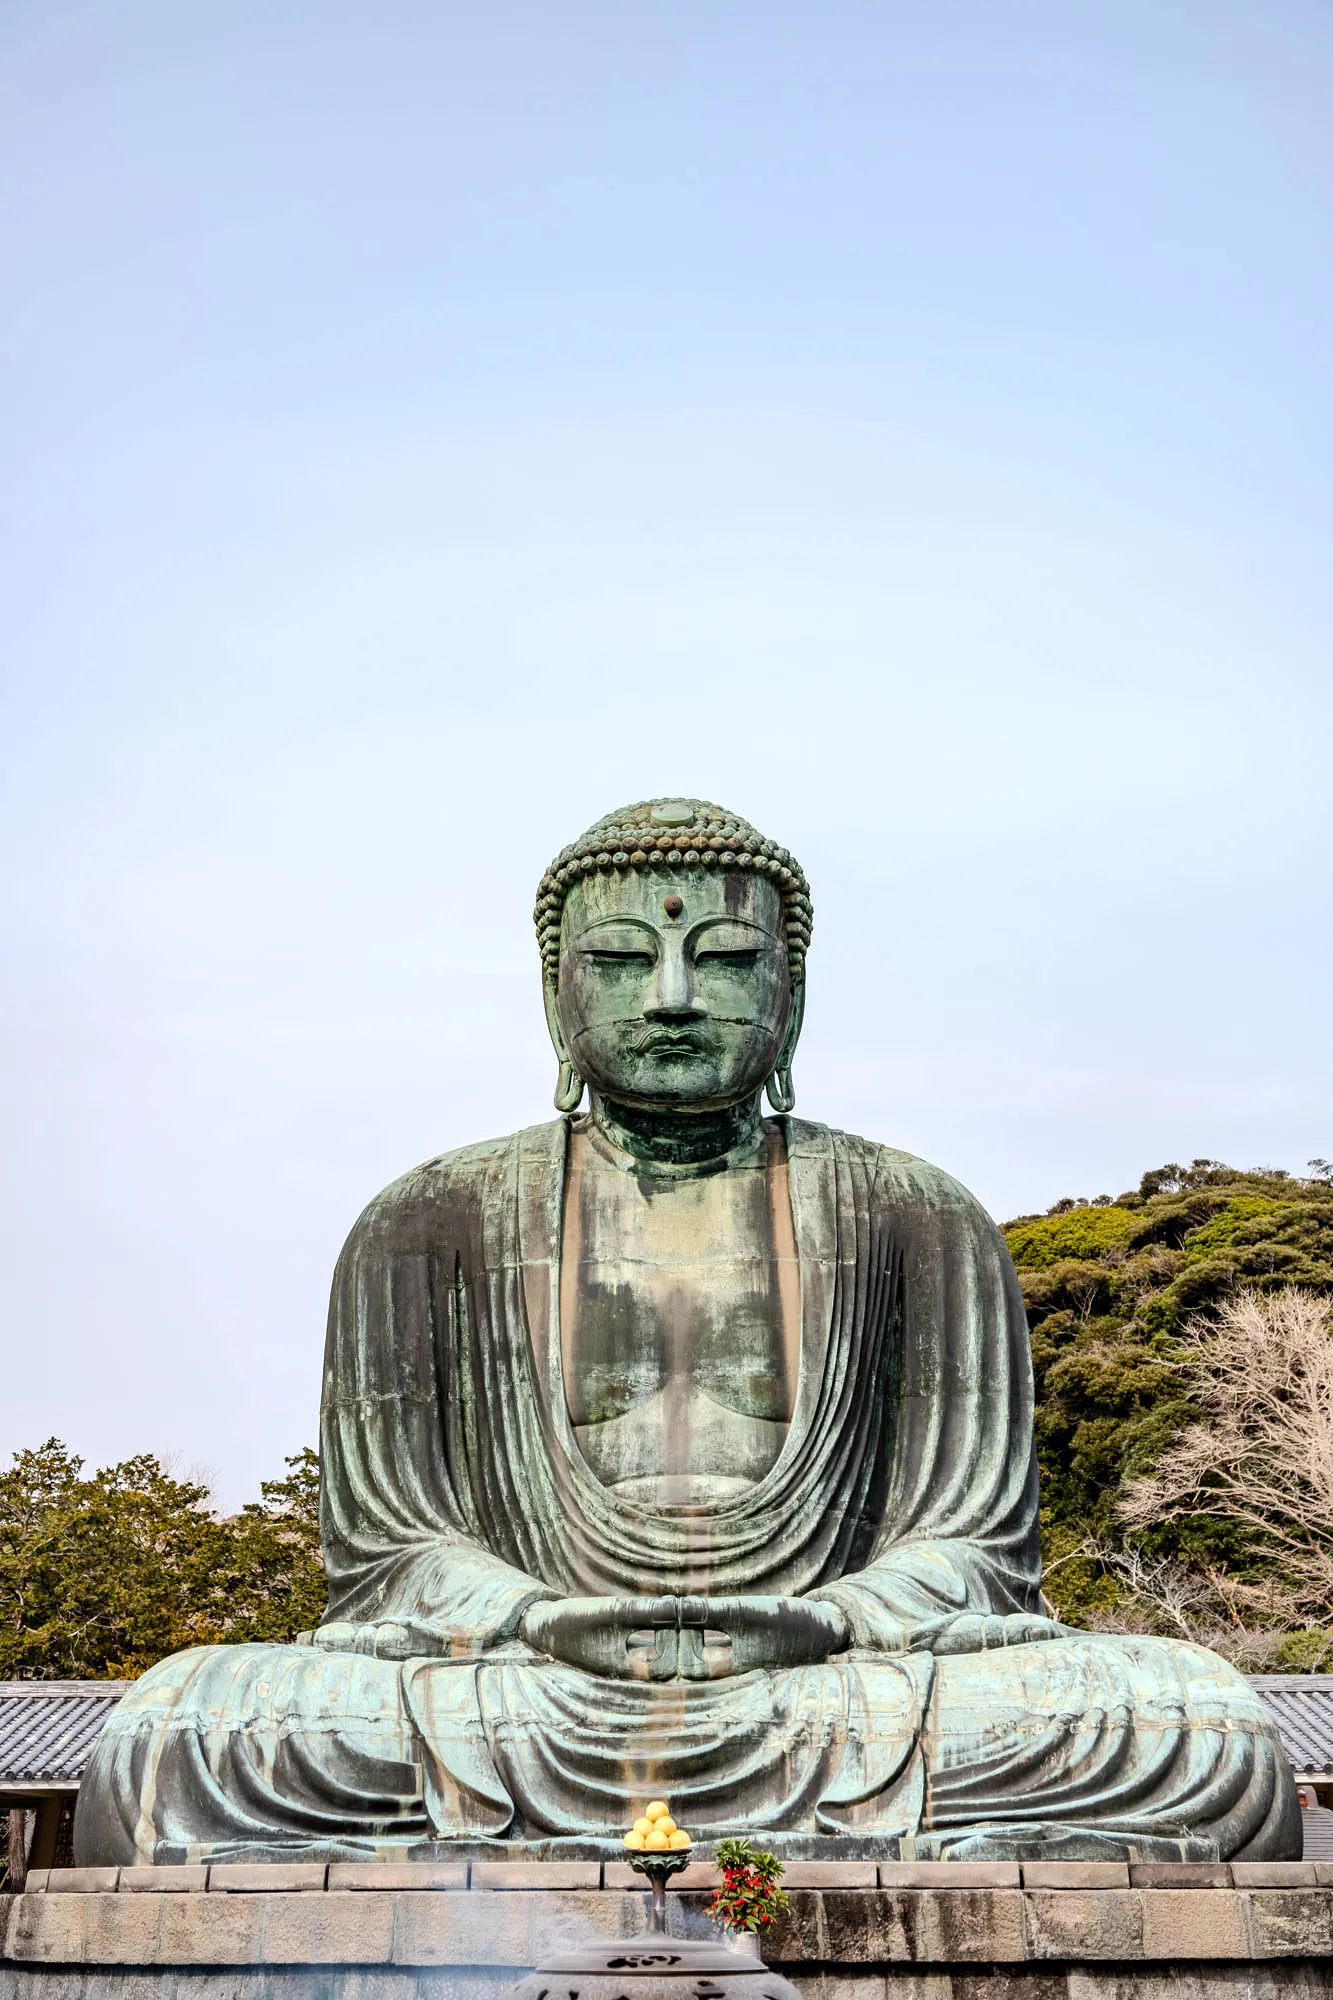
(1113, 1287)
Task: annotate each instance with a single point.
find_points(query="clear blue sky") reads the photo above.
(428, 426)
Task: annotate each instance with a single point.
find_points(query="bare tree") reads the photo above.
(1166, 1597)
(1261, 1455)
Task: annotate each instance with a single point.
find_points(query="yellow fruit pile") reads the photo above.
(656, 1832)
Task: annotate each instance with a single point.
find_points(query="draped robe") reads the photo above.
(454, 1495)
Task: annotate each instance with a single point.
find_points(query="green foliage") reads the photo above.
(276, 1586)
(1076, 1233)
(1227, 1226)
(749, 1898)
(1309, 1652)
(1108, 1285)
(101, 1576)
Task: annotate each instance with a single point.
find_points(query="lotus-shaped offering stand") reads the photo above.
(659, 1868)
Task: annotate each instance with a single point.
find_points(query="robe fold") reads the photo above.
(454, 1495)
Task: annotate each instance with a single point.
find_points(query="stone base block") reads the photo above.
(881, 1932)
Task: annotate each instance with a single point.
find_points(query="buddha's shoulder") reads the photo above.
(894, 1177)
(466, 1174)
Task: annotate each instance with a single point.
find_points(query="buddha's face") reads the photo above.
(674, 988)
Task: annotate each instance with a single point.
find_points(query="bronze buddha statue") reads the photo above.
(673, 1449)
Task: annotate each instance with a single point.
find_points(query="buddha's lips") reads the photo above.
(674, 1042)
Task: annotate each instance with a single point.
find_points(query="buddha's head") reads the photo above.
(673, 940)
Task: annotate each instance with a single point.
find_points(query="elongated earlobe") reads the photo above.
(780, 1090)
(569, 1089)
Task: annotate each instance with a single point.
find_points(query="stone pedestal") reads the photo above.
(856, 1931)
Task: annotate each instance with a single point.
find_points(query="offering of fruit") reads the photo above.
(655, 1832)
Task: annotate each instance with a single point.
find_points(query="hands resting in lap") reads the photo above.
(696, 1638)
(686, 1638)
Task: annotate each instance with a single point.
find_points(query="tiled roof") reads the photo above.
(48, 1728)
(1317, 1828)
(1302, 1707)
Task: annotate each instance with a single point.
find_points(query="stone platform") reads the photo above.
(856, 1931)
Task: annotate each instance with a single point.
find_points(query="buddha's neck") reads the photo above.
(679, 1141)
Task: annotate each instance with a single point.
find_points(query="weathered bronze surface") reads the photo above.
(670, 1449)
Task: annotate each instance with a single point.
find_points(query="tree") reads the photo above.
(1259, 1455)
(276, 1587)
(102, 1576)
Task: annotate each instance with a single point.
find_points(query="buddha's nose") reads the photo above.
(675, 996)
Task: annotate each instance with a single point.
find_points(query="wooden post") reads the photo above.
(44, 1833)
(18, 1848)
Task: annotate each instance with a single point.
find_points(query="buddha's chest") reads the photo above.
(679, 1327)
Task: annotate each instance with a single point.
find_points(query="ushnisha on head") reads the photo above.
(673, 938)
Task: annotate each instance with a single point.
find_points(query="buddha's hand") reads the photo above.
(743, 1634)
(397, 1639)
(626, 1638)
(983, 1631)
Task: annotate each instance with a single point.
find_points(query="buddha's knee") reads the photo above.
(210, 1685)
(215, 1743)
(207, 1690)
(222, 1690)
(1097, 1673)
(1212, 1691)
